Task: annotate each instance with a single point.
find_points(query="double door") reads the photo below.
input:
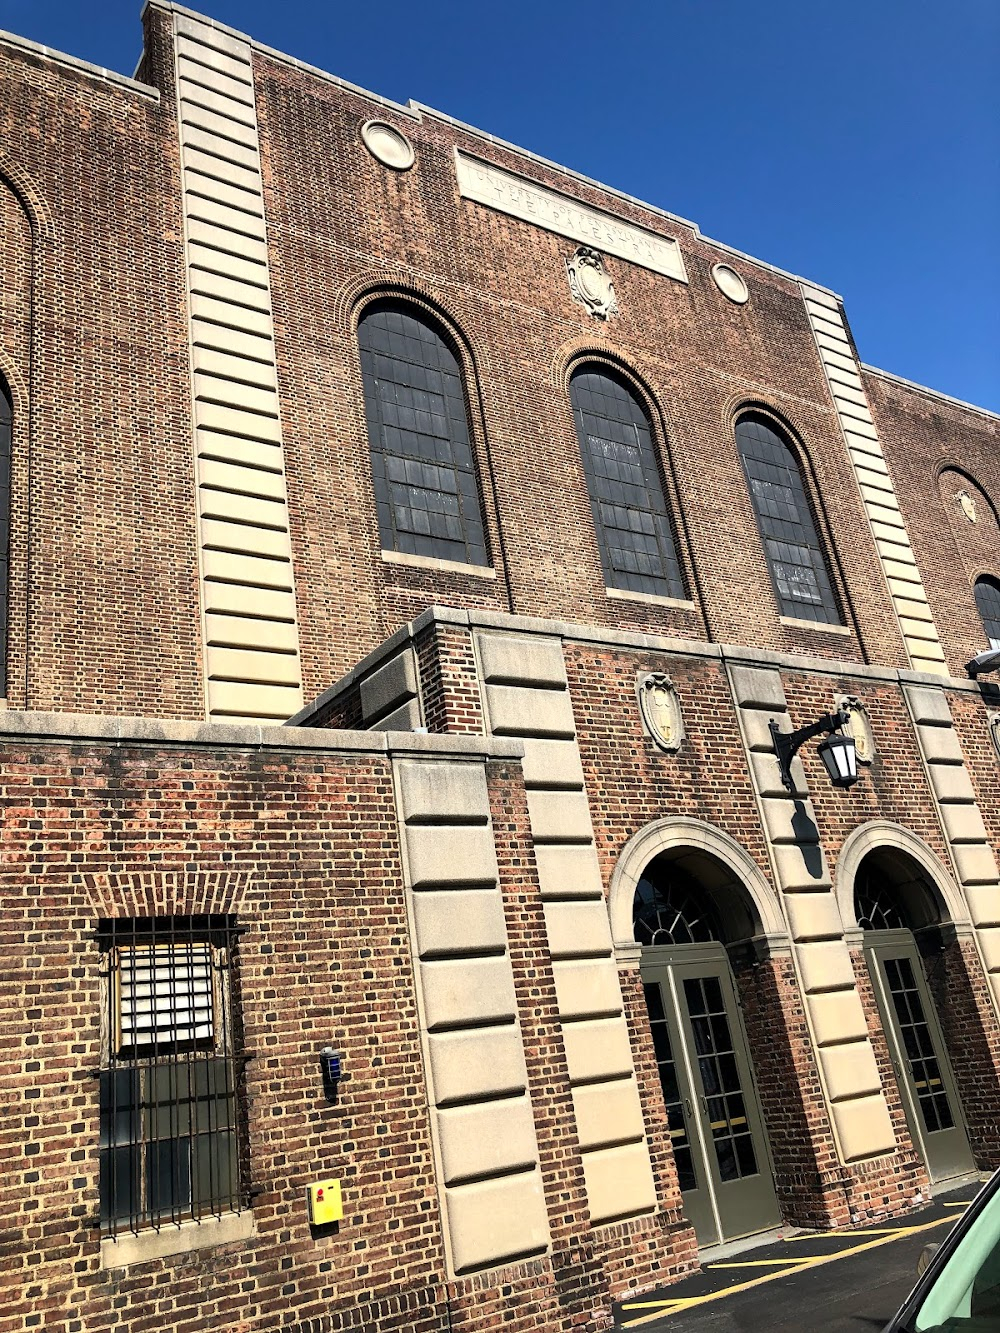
(713, 1117)
(923, 1073)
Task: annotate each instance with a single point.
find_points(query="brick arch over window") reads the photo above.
(987, 594)
(427, 490)
(6, 426)
(634, 532)
(795, 557)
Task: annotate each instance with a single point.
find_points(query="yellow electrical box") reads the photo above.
(325, 1204)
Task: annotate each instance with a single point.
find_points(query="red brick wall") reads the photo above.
(921, 435)
(502, 284)
(104, 610)
(304, 848)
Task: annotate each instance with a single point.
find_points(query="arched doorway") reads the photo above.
(686, 907)
(898, 907)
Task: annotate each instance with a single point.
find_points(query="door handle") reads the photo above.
(704, 1106)
(690, 1108)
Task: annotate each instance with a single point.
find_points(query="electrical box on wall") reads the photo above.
(325, 1204)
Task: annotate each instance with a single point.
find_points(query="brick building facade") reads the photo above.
(410, 545)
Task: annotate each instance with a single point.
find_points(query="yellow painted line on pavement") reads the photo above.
(661, 1309)
(843, 1234)
(761, 1263)
(957, 1205)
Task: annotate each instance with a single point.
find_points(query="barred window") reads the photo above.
(791, 545)
(987, 593)
(5, 433)
(426, 489)
(626, 493)
(171, 1144)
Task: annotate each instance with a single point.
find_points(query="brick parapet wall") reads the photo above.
(935, 448)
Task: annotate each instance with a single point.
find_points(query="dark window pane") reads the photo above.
(425, 485)
(791, 545)
(119, 1185)
(168, 1178)
(626, 494)
(987, 593)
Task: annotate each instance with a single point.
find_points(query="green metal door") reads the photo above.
(712, 1114)
(918, 1054)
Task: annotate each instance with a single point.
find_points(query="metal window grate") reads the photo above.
(626, 493)
(6, 416)
(426, 490)
(171, 1141)
(791, 545)
(987, 594)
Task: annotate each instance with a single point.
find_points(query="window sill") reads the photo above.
(140, 1248)
(823, 626)
(653, 598)
(431, 562)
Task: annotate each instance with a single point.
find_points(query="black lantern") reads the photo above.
(838, 752)
(840, 759)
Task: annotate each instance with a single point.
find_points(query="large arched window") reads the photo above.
(5, 428)
(791, 544)
(426, 489)
(987, 593)
(626, 493)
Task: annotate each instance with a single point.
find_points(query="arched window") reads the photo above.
(987, 593)
(623, 478)
(5, 428)
(794, 555)
(426, 489)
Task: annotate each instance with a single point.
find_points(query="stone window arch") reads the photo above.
(427, 491)
(634, 532)
(794, 553)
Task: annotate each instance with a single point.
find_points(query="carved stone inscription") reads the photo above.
(556, 212)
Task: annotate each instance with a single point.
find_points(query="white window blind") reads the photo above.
(165, 994)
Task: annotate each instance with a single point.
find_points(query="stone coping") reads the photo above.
(80, 66)
(631, 639)
(108, 730)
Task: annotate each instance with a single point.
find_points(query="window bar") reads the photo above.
(229, 1072)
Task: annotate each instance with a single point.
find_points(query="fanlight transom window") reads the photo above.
(667, 911)
(426, 490)
(791, 545)
(987, 592)
(626, 493)
(878, 906)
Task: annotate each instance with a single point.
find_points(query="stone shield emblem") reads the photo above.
(660, 707)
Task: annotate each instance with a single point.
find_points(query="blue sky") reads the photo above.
(857, 144)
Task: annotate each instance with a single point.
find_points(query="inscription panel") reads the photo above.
(546, 208)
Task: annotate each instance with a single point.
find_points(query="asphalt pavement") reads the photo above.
(849, 1281)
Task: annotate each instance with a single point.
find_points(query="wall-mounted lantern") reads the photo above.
(838, 752)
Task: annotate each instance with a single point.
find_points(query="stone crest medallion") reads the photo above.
(968, 505)
(590, 283)
(859, 726)
(660, 707)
